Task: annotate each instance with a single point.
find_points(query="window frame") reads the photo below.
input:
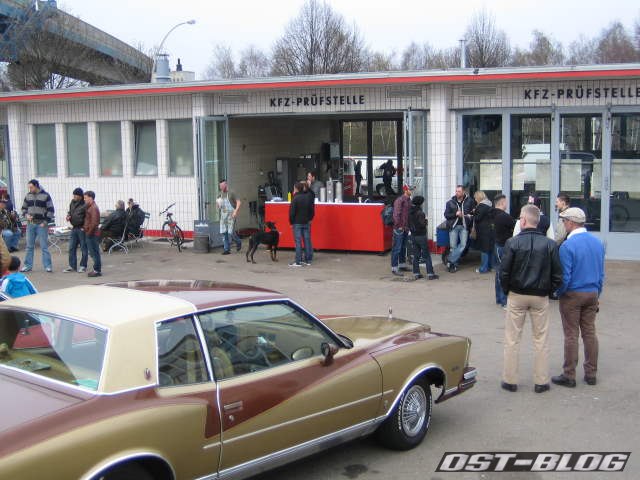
(36, 128)
(171, 165)
(100, 159)
(136, 146)
(86, 149)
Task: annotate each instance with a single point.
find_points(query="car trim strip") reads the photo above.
(300, 419)
(132, 456)
(287, 455)
(422, 371)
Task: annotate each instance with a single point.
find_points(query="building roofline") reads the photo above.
(577, 72)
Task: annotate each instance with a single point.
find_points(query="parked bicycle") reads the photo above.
(171, 230)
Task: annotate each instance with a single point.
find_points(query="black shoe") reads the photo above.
(453, 268)
(433, 276)
(418, 276)
(226, 252)
(564, 381)
(94, 274)
(509, 387)
(541, 388)
(397, 274)
(403, 269)
(590, 380)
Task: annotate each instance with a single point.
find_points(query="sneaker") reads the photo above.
(48, 269)
(226, 252)
(453, 268)
(82, 269)
(25, 269)
(94, 274)
(306, 264)
(295, 265)
(69, 269)
(433, 276)
(504, 306)
(418, 276)
(397, 273)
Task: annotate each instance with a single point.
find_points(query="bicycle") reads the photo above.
(171, 230)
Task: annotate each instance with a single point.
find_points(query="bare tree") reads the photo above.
(445, 58)
(253, 63)
(543, 50)
(380, 62)
(222, 64)
(582, 51)
(616, 46)
(318, 40)
(486, 45)
(416, 57)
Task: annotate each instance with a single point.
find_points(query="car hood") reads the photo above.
(23, 401)
(375, 332)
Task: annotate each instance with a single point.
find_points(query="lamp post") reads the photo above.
(159, 50)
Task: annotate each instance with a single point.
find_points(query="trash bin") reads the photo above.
(201, 243)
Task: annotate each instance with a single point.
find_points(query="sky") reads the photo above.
(387, 26)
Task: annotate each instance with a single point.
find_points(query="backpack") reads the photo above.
(18, 286)
(387, 214)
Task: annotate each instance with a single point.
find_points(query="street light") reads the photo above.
(159, 50)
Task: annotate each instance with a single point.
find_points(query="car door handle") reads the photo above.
(231, 407)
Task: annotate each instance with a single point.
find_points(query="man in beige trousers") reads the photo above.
(530, 272)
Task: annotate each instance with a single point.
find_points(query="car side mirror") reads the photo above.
(328, 351)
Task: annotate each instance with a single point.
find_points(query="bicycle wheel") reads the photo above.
(178, 237)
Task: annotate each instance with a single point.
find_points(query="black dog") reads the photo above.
(269, 238)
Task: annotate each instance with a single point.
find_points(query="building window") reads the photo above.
(77, 150)
(625, 173)
(482, 157)
(145, 152)
(46, 163)
(530, 161)
(110, 144)
(180, 147)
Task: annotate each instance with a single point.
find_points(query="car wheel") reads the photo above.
(130, 471)
(409, 421)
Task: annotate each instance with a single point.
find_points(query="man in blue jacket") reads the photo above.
(582, 259)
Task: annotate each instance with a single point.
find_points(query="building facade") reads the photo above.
(517, 131)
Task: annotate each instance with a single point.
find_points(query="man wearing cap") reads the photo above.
(75, 216)
(458, 212)
(582, 258)
(401, 207)
(38, 210)
(9, 226)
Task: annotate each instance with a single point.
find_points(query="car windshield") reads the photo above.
(52, 347)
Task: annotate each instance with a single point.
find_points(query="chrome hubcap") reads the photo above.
(414, 409)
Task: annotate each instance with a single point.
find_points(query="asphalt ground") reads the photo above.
(601, 418)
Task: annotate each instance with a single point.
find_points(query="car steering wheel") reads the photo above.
(251, 352)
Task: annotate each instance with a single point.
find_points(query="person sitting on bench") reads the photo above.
(135, 218)
(113, 227)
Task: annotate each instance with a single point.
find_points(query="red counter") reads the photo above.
(336, 226)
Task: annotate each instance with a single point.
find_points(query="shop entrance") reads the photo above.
(212, 167)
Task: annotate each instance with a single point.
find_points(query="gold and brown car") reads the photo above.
(196, 379)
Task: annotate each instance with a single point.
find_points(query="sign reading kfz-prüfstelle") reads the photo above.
(317, 100)
(580, 92)
(533, 462)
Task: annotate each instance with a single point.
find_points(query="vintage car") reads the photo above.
(197, 379)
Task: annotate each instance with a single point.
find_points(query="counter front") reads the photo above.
(336, 226)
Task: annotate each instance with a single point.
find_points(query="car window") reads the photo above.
(241, 340)
(52, 347)
(180, 358)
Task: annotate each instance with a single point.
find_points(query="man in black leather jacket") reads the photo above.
(458, 212)
(530, 272)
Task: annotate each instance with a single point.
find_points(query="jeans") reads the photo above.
(485, 261)
(226, 241)
(41, 233)
(11, 238)
(78, 237)
(399, 249)
(93, 247)
(458, 237)
(501, 298)
(302, 233)
(420, 251)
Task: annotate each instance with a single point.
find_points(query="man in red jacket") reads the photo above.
(401, 207)
(92, 231)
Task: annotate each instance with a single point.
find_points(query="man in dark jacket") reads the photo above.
(75, 216)
(503, 224)
(92, 232)
(418, 230)
(301, 213)
(458, 212)
(134, 217)
(530, 271)
(401, 207)
(39, 212)
(113, 226)
(388, 171)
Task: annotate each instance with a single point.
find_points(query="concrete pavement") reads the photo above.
(601, 418)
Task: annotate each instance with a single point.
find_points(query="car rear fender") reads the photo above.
(153, 462)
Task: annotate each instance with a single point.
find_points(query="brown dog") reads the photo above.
(269, 238)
